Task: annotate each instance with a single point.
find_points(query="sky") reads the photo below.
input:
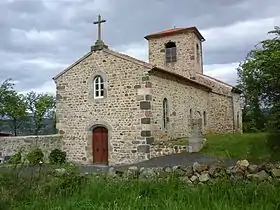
(40, 38)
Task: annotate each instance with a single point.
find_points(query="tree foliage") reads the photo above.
(24, 112)
(259, 80)
(39, 105)
(6, 89)
(13, 106)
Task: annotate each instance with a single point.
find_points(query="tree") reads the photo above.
(13, 106)
(16, 111)
(259, 80)
(40, 106)
(6, 88)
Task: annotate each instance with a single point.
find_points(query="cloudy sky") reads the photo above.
(39, 38)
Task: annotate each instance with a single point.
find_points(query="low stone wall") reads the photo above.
(167, 148)
(198, 173)
(11, 145)
(158, 150)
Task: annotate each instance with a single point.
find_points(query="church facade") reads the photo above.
(112, 108)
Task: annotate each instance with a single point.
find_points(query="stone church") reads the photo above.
(112, 108)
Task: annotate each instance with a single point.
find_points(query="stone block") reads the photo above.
(146, 120)
(146, 78)
(60, 87)
(144, 148)
(148, 85)
(144, 91)
(150, 140)
(58, 97)
(146, 133)
(140, 98)
(145, 105)
(148, 97)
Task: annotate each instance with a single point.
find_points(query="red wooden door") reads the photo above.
(100, 145)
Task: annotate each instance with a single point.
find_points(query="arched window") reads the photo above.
(170, 52)
(191, 114)
(165, 113)
(204, 118)
(197, 53)
(237, 120)
(98, 87)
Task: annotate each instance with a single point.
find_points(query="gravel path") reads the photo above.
(183, 159)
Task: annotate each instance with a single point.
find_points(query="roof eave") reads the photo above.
(181, 77)
(158, 35)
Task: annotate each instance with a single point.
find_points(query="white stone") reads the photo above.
(193, 178)
(243, 164)
(204, 177)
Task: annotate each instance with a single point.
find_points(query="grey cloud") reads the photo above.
(26, 6)
(127, 22)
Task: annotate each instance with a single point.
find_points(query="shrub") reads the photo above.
(57, 156)
(16, 158)
(35, 156)
(273, 139)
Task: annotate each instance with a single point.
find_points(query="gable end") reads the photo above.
(72, 65)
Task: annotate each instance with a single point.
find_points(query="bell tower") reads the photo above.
(178, 50)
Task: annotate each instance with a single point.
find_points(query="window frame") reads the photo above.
(170, 52)
(165, 113)
(204, 119)
(197, 53)
(99, 81)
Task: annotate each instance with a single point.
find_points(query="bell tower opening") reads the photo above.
(170, 52)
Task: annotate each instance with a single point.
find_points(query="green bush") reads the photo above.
(57, 156)
(273, 138)
(35, 156)
(16, 158)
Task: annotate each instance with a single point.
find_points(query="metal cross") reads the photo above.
(99, 21)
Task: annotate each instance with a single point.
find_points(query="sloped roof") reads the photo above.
(173, 31)
(190, 81)
(72, 65)
(134, 60)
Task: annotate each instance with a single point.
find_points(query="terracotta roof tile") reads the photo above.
(174, 31)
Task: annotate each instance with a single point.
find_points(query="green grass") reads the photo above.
(104, 194)
(250, 146)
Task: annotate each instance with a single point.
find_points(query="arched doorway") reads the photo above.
(100, 145)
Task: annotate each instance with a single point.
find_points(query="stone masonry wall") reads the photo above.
(181, 99)
(237, 110)
(221, 114)
(224, 106)
(158, 150)
(186, 64)
(241, 171)
(120, 111)
(11, 145)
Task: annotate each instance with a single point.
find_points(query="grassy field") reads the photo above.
(73, 191)
(104, 194)
(250, 146)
